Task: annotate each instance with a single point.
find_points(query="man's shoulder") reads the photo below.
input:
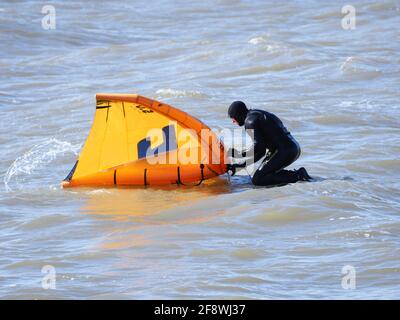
(253, 118)
(256, 115)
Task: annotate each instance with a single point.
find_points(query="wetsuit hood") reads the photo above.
(238, 111)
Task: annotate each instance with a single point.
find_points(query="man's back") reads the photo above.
(269, 130)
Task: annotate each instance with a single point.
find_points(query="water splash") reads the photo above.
(36, 158)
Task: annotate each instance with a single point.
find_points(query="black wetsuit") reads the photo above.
(271, 134)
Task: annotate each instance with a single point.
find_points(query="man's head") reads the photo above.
(238, 112)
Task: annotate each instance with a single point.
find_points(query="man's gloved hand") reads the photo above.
(232, 167)
(233, 153)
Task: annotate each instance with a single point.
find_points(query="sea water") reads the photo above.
(334, 83)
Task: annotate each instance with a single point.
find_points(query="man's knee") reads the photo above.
(255, 180)
(260, 179)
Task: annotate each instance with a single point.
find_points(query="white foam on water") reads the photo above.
(99, 191)
(346, 64)
(263, 45)
(171, 93)
(360, 66)
(257, 40)
(36, 158)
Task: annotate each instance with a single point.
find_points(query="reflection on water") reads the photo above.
(140, 202)
(167, 205)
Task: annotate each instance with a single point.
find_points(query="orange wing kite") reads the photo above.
(135, 140)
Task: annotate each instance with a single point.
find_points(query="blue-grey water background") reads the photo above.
(336, 90)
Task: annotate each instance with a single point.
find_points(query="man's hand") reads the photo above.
(269, 155)
(233, 153)
(232, 167)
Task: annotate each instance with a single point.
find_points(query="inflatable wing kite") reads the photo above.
(135, 140)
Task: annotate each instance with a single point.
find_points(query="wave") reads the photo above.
(257, 40)
(265, 45)
(171, 93)
(360, 67)
(383, 6)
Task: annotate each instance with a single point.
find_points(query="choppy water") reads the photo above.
(337, 91)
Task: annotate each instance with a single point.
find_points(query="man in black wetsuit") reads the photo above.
(269, 134)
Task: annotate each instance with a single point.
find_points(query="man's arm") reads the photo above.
(234, 153)
(253, 127)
